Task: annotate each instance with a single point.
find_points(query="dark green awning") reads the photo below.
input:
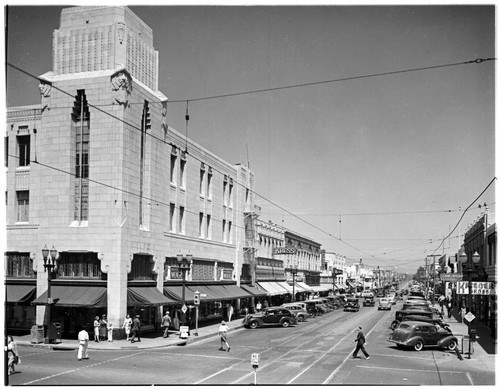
(146, 295)
(19, 293)
(75, 296)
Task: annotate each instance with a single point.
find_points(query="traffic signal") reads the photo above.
(196, 299)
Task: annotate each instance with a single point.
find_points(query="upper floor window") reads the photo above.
(231, 193)
(182, 168)
(142, 267)
(200, 225)
(181, 220)
(224, 191)
(209, 183)
(19, 265)
(23, 205)
(79, 265)
(209, 227)
(23, 144)
(172, 218)
(202, 180)
(173, 163)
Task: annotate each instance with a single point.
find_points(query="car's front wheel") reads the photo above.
(285, 323)
(301, 318)
(452, 346)
(419, 345)
(254, 325)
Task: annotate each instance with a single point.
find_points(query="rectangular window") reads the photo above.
(229, 233)
(181, 220)
(23, 143)
(172, 218)
(173, 161)
(23, 206)
(230, 194)
(209, 227)
(202, 180)
(224, 230)
(6, 150)
(183, 172)
(200, 228)
(224, 191)
(209, 183)
(80, 122)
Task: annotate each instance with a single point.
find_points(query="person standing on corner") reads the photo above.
(136, 329)
(223, 329)
(83, 344)
(360, 345)
(96, 329)
(103, 329)
(166, 322)
(127, 325)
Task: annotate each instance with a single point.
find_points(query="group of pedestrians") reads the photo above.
(132, 328)
(103, 329)
(445, 302)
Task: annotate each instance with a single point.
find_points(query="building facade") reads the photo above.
(97, 173)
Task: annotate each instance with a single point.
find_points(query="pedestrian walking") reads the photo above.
(127, 325)
(230, 312)
(13, 355)
(258, 307)
(136, 329)
(83, 344)
(360, 344)
(441, 303)
(448, 305)
(103, 328)
(110, 332)
(223, 329)
(166, 322)
(97, 325)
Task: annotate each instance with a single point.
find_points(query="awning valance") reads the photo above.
(253, 290)
(20, 293)
(271, 287)
(75, 296)
(208, 292)
(320, 288)
(145, 296)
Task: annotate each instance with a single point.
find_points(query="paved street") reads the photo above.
(317, 351)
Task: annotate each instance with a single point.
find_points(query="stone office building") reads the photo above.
(97, 173)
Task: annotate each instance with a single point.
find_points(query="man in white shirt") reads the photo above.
(83, 340)
(223, 328)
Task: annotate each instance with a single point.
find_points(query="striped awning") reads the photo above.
(271, 287)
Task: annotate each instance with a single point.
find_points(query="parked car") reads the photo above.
(272, 316)
(369, 302)
(384, 303)
(336, 301)
(418, 335)
(392, 298)
(318, 306)
(433, 320)
(298, 310)
(352, 304)
(414, 312)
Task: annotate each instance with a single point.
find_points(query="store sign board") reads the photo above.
(478, 288)
(284, 250)
(451, 277)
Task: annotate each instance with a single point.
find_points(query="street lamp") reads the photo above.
(293, 269)
(184, 263)
(49, 264)
(469, 271)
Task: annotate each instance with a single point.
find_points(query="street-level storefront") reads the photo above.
(20, 315)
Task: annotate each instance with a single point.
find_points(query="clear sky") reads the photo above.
(379, 168)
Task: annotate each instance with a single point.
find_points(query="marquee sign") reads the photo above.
(451, 277)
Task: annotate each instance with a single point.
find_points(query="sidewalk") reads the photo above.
(483, 350)
(148, 340)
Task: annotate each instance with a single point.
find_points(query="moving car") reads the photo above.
(418, 335)
(272, 316)
(317, 305)
(298, 310)
(367, 293)
(384, 303)
(369, 302)
(352, 304)
(392, 298)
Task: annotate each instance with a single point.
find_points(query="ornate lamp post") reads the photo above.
(49, 264)
(469, 271)
(293, 270)
(184, 262)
